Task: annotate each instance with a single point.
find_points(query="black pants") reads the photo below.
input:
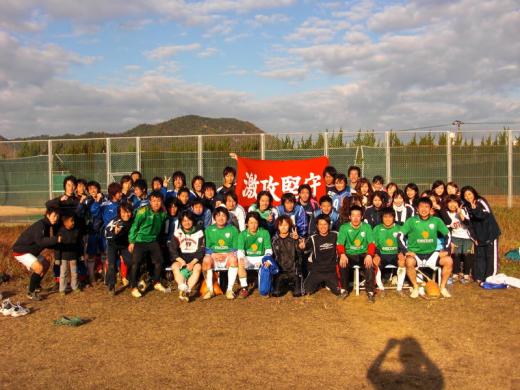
(283, 280)
(368, 273)
(315, 278)
(141, 250)
(486, 260)
(468, 261)
(113, 253)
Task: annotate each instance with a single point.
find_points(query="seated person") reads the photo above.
(418, 241)
(356, 247)
(221, 248)
(254, 244)
(187, 251)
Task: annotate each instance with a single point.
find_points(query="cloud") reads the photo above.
(261, 20)
(297, 74)
(317, 30)
(208, 52)
(163, 52)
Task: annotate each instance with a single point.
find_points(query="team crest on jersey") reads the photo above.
(363, 234)
(425, 234)
(394, 234)
(260, 239)
(431, 226)
(227, 235)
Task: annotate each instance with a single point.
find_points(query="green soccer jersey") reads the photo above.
(254, 244)
(221, 240)
(386, 239)
(421, 234)
(355, 240)
(147, 225)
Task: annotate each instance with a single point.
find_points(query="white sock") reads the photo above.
(379, 282)
(401, 276)
(209, 279)
(183, 287)
(243, 282)
(232, 276)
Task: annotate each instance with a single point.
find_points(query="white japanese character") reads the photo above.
(270, 185)
(291, 184)
(251, 184)
(313, 181)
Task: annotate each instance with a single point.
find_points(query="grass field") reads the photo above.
(467, 342)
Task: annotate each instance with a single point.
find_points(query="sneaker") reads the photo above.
(445, 293)
(208, 295)
(343, 294)
(415, 293)
(18, 311)
(230, 295)
(125, 282)
(183, 297)
(142, 286)
(159, 287)
(7, 307)
(136, 293)
(34, 296)
(371, 297)
(243, 293)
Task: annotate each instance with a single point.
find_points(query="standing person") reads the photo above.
(418, 240)
(364, 190)
(403, 211)
(178, 182)
(412, 195)
(202, 216)
(326, 209)
(439, 191)
(116, 233)
(209, 189)
(342, 191)
(186, 249)
(228, 183)
(221, 249)
(329, 178)
(486, 230)
(356, 247)
(354, 174)
(378, 183)
(372, 214)
(126, 188)
(237, 214)
(28, 247)
(286, 253)
(140, 197)
(95, 239)
(308, 203)
(268, 213)
(254, 247)
(68, 252)
(143, 240)
(462, 248)
(323, 259)
(295, 212)
(197, 185)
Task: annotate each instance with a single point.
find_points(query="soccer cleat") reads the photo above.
(18, 311)
(415, 293)
(142, 286)
(159, 287)
(230, 295)
(445, 293)
(125, 282)
(136, 293)
(371, 297)
(183, 297)
(34, 296)
(208, 295)
(7, 307)
(243, 293)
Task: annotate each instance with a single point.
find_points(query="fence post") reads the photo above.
(262, 146)
(49, 165)
(199, 154)
(326, 144)
(388, 172)
(448, 155)
(510, 168)
(108, 162)
(138, 153)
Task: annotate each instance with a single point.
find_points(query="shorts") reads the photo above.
(462, 246)
(358, 260)
(28, 259)
(253, 262)
(388, 260)
(95, 244)
(427, 260)
(221, 261)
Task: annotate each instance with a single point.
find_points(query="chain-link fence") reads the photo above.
(32, 171)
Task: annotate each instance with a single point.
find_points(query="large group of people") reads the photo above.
(207, 240)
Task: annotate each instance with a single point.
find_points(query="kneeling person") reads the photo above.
(187, 251)
(221, 248)
(387, 249)
(323, 259)
(254, 244)
(418, 241)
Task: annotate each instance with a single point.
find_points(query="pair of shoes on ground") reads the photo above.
(444, 293)
(10, 309)
(157, 286)
(210, 294)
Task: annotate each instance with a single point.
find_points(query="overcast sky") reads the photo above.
(286, 65)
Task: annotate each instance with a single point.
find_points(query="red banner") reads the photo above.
(278, 177)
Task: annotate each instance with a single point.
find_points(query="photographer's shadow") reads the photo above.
(418, 370)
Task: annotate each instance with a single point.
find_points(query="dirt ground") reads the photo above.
(467, 342)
